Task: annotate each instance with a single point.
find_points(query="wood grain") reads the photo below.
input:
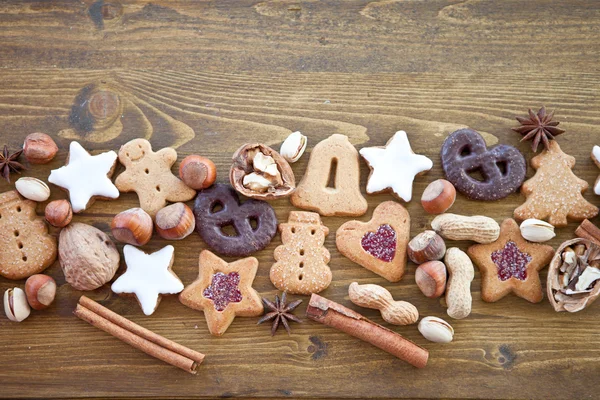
(206, 77)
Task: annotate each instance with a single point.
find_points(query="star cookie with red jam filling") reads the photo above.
(223, 291)
(511, 264)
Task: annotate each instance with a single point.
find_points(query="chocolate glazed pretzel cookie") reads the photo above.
(218, 207)
(502, 168)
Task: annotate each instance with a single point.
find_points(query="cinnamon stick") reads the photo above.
(346, 320)
(139, 330)
(589, 231)
(138, 337)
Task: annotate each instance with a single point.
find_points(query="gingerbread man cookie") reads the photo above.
(555, 192)
(26, 248)
(86, 177)
(149, 175)
(379, 245)
(148, 276)
(223, 291)
(511, 264)
(394, 166)
(333, 155)
(301, 266)
(502, 168)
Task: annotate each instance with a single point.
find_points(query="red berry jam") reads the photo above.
(223, 290)
(380, 244)
(511, 262)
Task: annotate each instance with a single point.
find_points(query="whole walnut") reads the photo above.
(87, 256)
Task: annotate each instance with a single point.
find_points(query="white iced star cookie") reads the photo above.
(596, 158)
(394, 166)
(86, 177)
(148, 276)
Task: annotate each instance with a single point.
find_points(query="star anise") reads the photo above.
(9, 163)
(538, 127)
(280, 312)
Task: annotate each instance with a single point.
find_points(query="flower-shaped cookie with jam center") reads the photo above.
(223, 291)
(511, 264)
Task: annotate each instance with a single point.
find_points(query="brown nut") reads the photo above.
(438, 196)
(133, 226)
(260, 172)
(197, 172)
(39, 148)
(87, 256)
(59, 213)
(426, 246)
(175, 222)
(40, 290)
(431, 278)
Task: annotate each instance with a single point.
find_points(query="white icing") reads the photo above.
(148, 276)
(394, 166)
(85, 176)
(596, 157)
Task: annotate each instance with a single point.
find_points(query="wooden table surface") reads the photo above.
(208, 76)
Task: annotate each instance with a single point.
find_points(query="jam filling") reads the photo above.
(511, 262)
(380, 244)
(223, 290)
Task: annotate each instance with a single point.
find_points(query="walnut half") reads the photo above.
(260, 172)
(574, 275)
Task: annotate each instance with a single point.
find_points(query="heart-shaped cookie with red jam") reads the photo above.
(379, 245)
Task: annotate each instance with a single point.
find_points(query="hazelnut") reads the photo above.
(260, 172)
(15, 305)
(59, 213)
(197, 172)
(133, 226)
(431, 278)
(438, 196)
(39, 148)
(40, 291)
(426, 246)
(175, 222)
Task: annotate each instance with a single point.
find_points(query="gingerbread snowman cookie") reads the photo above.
(148, 173)
(301, 266)
(26, 248)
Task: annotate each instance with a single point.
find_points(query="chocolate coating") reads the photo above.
(248, 240)
(465, 152)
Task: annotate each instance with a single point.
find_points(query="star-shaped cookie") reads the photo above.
(86, 177)
(223, 291)
(148, 276)
(511, 264)
(394, 166)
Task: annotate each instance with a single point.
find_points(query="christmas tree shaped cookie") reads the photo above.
(301, 266)
(554, 192)
(26, 248)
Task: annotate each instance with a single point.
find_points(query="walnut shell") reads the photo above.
(87, 256)
(559, 300)
(242, 166)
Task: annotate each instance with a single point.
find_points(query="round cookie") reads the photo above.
(502, 168)
(218, 207)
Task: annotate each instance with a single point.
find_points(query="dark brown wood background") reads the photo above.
(208, 76)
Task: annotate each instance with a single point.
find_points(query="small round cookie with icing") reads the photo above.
(394, 166)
